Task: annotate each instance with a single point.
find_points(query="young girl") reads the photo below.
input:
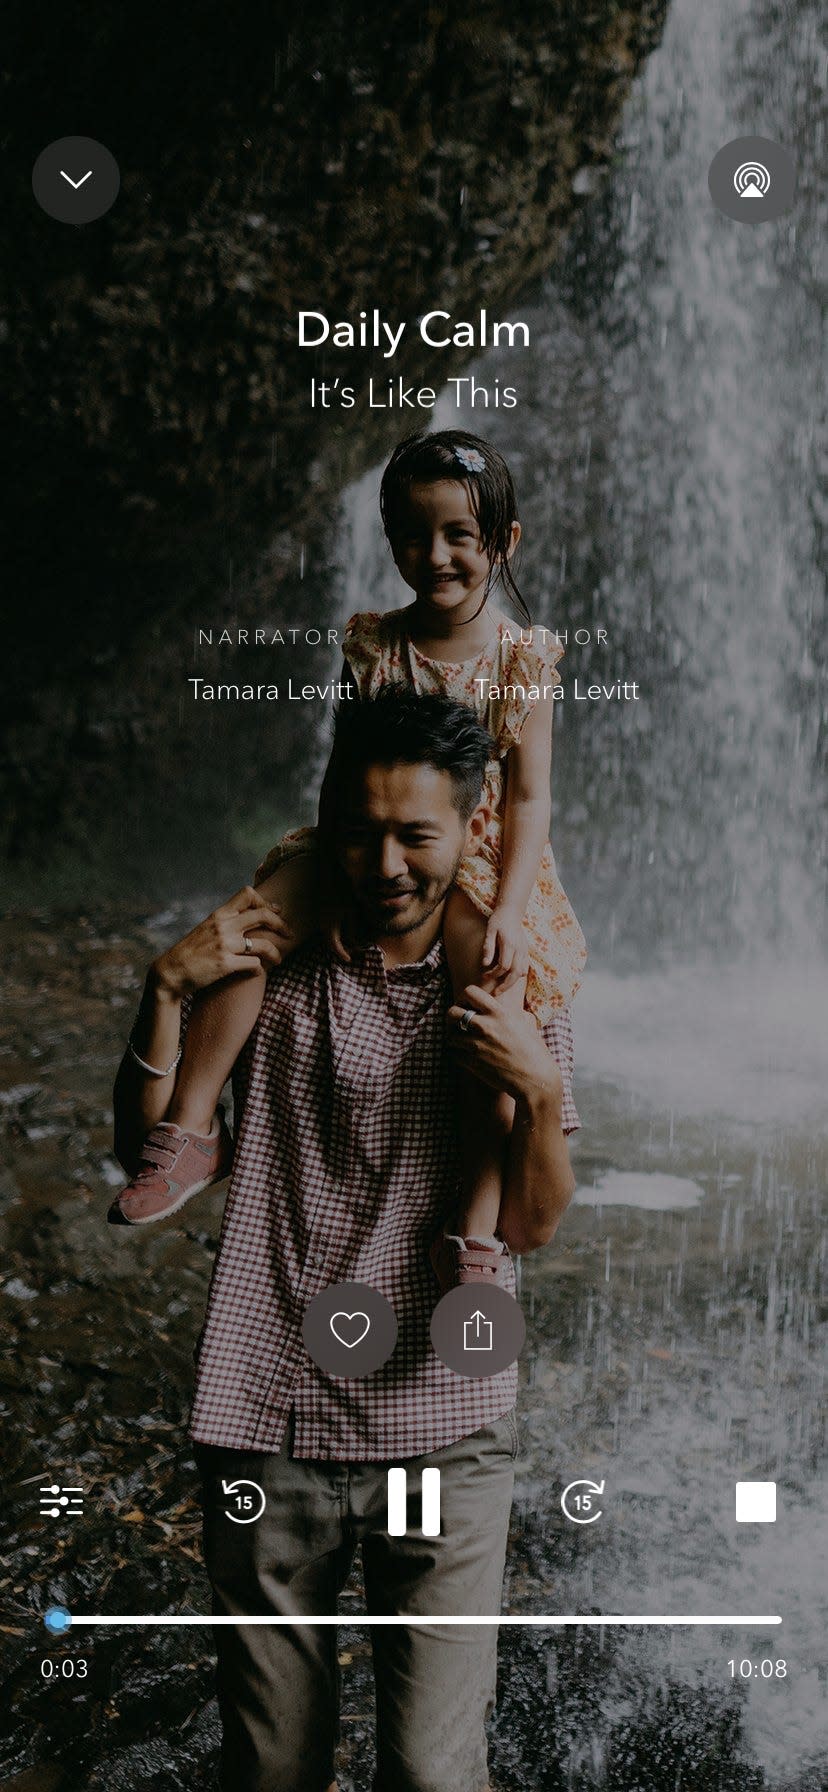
(449, 512)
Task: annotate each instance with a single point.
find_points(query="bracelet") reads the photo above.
(152, 1069)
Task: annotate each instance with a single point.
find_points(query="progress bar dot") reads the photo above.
(57, 1619)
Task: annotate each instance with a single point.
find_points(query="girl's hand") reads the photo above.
(505, 950)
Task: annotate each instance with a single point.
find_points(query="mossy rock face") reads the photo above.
(405, 156)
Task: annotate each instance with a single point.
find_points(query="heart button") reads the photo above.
(350, 1328)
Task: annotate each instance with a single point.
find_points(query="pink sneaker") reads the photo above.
(174, 1166)
(458, 1261)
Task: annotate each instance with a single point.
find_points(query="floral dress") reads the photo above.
(379, 651)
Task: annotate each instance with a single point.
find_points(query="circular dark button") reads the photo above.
(349, 1329)
(76, 180)
(752, 179)
(477, 1330)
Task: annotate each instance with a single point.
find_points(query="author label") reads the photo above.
(620, 691)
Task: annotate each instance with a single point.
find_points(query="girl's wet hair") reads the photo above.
(422, 459)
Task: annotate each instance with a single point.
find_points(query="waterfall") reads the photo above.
(666, 454)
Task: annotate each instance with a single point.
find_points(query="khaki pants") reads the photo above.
(279, 1686)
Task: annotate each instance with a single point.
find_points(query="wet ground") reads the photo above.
(676, 1344)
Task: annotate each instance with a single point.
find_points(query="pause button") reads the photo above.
(398, 1502)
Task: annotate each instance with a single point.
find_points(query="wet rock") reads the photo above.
(436, 160)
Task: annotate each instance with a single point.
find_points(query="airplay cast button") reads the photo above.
(76, 180)
(752, 179)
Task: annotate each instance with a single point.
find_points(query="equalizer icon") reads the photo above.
(61, 1502)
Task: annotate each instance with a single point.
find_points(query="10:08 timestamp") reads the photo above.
(769, 1668)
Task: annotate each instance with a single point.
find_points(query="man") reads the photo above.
(345, 1167)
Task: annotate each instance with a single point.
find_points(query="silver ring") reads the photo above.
(466, 1020)
(248, 943)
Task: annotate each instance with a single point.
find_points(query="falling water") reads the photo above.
(667, 451)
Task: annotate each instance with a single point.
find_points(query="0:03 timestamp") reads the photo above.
(68, 1667)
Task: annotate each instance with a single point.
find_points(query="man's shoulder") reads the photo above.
(293, 999)
(302, 981)
(301, 969)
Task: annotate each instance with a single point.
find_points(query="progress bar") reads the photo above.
(58, 1620)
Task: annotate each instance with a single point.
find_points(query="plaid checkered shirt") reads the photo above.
(346, 1163)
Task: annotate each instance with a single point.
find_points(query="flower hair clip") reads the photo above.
(471, 459)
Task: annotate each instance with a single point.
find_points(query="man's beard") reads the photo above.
(383, 925)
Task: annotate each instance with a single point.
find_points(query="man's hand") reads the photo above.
(505, 950)
(503, 1049)
(217, 947)
(507, 1051)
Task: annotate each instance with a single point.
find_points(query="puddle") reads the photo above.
(637, 1188)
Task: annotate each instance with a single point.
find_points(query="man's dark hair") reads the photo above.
(398, 727)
